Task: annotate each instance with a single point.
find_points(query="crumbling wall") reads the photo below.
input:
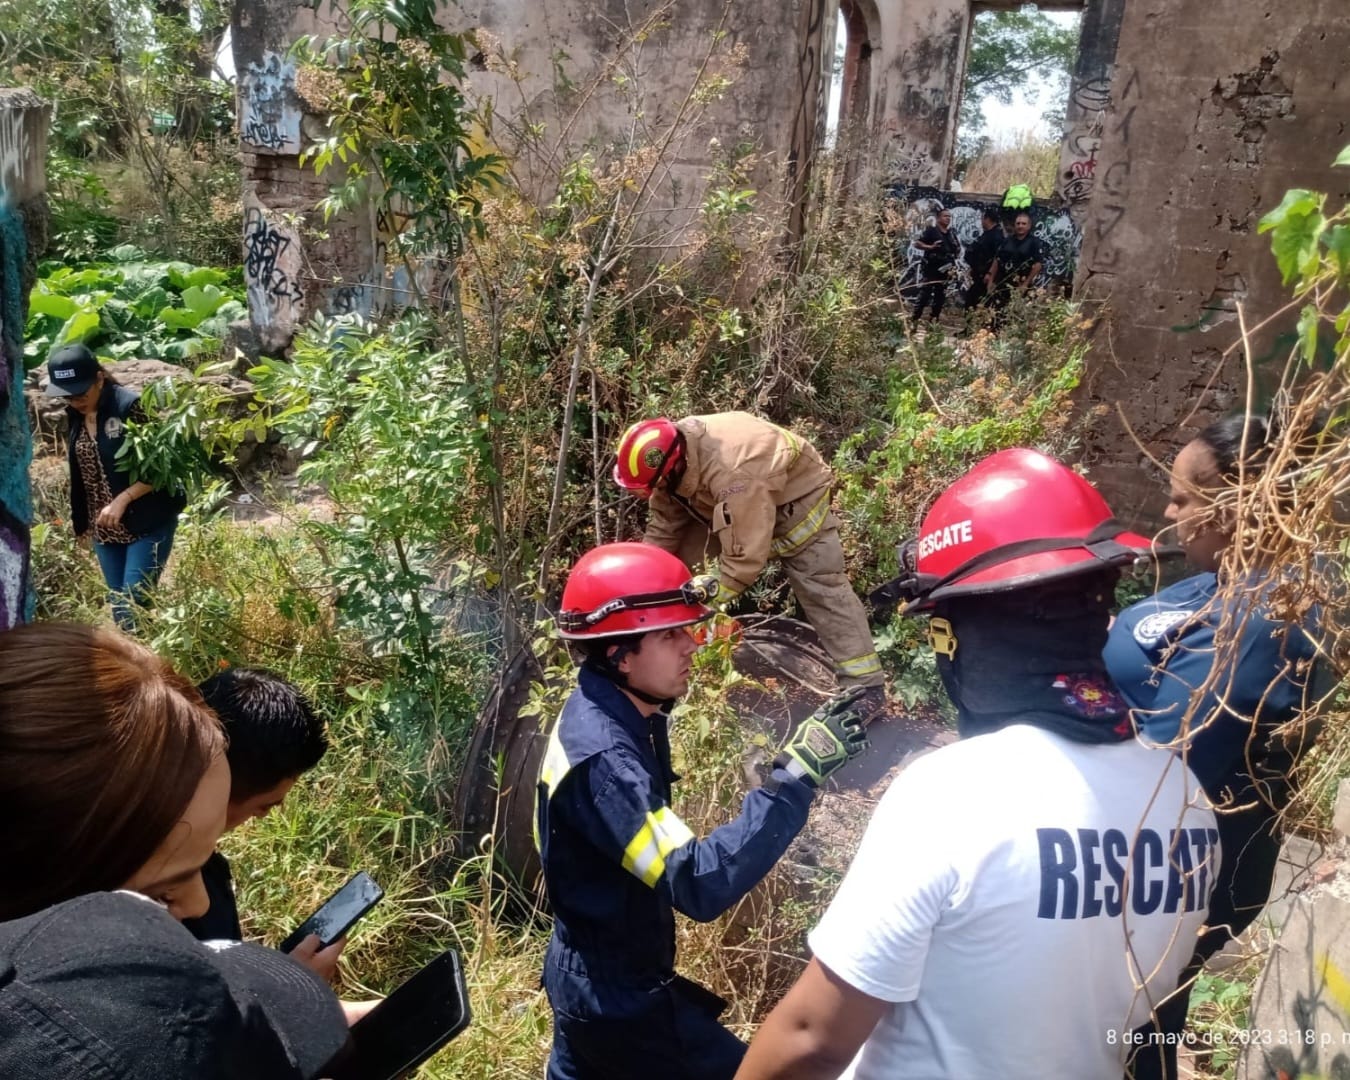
(23, 235)
(1089, 101)
(922, 60)
(1217, 107)
(549, 64)
(294, 264)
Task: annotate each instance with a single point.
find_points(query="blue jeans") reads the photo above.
(132, 569)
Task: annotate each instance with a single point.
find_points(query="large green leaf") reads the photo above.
(179, 318)
(45, 303)
(1337, 240)
(198, 275)
(1296, 226)
(1307, 333)
(81, 326)
(203, 299)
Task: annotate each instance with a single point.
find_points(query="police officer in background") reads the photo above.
(980, 257)
(618, 861)
(941, 248)
(741, 490)
(1059, 896)
(1020, 260)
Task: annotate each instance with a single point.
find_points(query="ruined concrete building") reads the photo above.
(1186, 120)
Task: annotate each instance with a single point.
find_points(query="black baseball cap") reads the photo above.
(72, 370)
(111, 986)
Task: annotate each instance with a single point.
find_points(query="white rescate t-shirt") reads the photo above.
(1013, 895)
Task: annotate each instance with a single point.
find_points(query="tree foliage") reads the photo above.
(1012, 51)
(141, 143)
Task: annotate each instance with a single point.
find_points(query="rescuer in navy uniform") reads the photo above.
(618, 862)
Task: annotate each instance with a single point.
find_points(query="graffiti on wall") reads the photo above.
(14, 148)
(1112, 184)
(1059, 235)
(15, 439)
(907, 158)
(270, 118)
(14, 570)
(272, 272)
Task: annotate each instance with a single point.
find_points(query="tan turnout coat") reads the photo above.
(757, 488)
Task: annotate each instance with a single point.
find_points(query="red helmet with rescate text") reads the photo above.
(1018, 518)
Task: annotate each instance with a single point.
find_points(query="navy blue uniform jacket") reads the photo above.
(1162, 648)
(618, 863)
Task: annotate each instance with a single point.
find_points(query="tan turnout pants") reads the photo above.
(815, 571)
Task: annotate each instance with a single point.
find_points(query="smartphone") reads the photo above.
(339, 912)
(408, 1026)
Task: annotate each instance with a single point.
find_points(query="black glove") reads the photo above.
(826, 740)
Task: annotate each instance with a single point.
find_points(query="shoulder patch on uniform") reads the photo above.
(1152, 628)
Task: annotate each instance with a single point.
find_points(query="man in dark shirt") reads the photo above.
(980, 257)
(940, 249)
(1019, 263)
(274, 738)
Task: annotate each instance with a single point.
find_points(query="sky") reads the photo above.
(1001, 121)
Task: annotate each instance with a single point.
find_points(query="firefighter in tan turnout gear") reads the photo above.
(739, 489)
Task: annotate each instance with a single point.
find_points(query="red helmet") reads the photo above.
(1018, 518)
(619, 589)
(648, 451)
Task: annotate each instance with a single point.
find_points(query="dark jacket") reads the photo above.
(1017, 257)
(154, 509)
(981, 254)
(221, 921)
(947, 251)
(618, 863)
(1162, 649)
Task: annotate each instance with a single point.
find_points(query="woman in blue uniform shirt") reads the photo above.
(1162, 649)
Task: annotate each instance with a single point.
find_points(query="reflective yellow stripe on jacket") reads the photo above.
(794, 444)
(554, 767)
(800, 534)
(662, 833)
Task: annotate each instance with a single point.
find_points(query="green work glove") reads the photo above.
(828, 739)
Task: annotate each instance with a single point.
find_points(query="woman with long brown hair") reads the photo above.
(114, 782)
(112, 772)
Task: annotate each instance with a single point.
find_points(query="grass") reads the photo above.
(1026, 158)
(234, 594)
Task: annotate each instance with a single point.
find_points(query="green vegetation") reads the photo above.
(125, 305)
(461, 449)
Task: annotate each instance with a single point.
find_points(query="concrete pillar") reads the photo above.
(23, 233)
(1089, 101)
(923, 63)
(816, 24)
(295, 263)
(1217, 108)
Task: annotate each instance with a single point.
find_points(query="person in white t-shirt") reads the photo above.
(1025, 897)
